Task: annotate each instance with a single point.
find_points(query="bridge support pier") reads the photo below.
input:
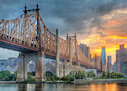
(57, 54)
(21, 69)
(24, 59)
(39, 68)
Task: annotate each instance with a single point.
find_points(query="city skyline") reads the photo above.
(92, 22)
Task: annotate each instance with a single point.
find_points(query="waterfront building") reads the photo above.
(114, 67)
(97, 63)
(86, 50)
(103, 57)
(121, 60)
(109, 63)
(9, 64)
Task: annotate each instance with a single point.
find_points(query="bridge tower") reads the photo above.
(37, 57)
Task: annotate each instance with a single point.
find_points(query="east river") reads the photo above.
(63, 87)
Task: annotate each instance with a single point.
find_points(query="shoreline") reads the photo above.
(7, 82)
(76, 81)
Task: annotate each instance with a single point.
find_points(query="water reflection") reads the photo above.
(22, 87)
(111, 87)
(38, 87)
(65, 87)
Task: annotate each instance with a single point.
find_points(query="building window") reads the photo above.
(64, 73)
(63, 66)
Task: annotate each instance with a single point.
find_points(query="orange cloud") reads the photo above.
(115, 23)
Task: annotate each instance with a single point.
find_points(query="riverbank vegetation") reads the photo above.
(31, 77)
(68, 78)
(8, 76)
(86, 75)
(111, 75)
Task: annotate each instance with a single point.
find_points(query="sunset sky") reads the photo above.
(97, 22)
(112, 33)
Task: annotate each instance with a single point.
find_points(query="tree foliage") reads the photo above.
(103, 74)
(112, 75)
(91, 74)
(50, 76)
(81, 75)
(8, 76)
(70, 77)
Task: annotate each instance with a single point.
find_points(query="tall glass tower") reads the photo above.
(109, 63)
(103, 56)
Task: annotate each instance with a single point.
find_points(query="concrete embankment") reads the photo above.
(45, 82)
(76, 81)
(83, 81)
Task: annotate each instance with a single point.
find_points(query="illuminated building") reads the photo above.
(103, 56)
(121, 60)
(86, 50)
(109, 63)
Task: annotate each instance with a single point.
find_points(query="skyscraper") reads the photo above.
(114, 67)
(109, 63)
(103, 56)
(121, 60)
(86, 50)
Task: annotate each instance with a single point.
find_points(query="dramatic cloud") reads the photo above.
(67, 15)
(111, 34)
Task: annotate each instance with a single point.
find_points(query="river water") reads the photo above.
(63, 87)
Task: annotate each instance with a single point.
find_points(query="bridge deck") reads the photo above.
(16, 46)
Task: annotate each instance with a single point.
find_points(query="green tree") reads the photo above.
(81, 75)
(78, 75)
(103, 74)
(6, 78)
(49, 74)
(53, 78)
(1, 76)
(70, 77)
(14, 77)
(119, 75)
(5, 73)
(108, 74)
(11, 76)
(15, 72)
(112, 75)
(91, 74)
(65, 78)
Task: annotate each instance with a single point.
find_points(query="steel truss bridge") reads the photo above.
(28, 33)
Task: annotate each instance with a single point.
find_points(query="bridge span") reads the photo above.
(29, 35)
